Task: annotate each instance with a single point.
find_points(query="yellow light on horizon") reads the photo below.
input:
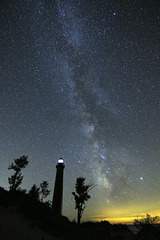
(125, 216)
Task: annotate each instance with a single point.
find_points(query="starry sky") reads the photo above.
(79, 80)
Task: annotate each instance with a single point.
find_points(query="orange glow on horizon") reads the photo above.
(122, 220)
(125, 216)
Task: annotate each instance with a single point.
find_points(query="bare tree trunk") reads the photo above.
(79, 216)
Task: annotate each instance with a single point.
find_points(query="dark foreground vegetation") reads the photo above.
(37, 215)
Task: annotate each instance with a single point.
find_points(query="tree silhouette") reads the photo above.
(16, 179)
(44, 191)
(148, 220)
(81, 196)
(41, 192)
(34, 192)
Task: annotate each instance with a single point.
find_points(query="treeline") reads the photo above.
(37, 192)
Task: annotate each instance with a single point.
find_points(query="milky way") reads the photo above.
(80, 80)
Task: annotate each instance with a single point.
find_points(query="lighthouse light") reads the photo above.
(60, 160)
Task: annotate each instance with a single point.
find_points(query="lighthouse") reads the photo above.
(58, 188)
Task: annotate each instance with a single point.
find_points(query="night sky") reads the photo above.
(79, 79)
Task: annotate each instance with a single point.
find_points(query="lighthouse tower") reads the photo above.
(58, 188)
